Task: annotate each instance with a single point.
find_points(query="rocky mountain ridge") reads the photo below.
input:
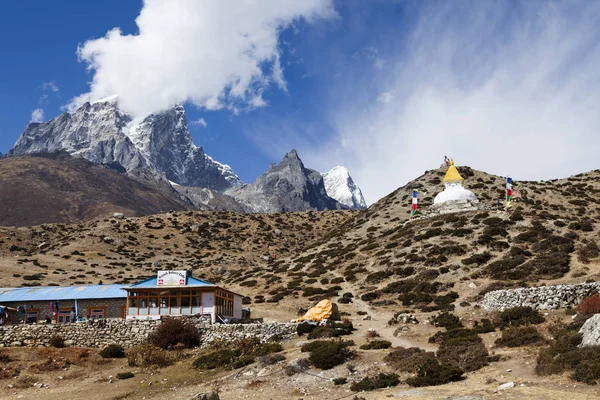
(159, 148)
(159, 145)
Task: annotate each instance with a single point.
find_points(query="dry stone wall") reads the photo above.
(130, 333)
(541, 298)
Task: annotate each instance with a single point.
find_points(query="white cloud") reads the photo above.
(37, 115)
(385, 97)
(50, 86)
(213, 53)
(515, 91)
(379, 63)
(200, 122)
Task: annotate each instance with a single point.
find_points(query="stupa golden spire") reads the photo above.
(452, 175)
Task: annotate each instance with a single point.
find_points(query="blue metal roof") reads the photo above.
(50, 293)
(152, 283)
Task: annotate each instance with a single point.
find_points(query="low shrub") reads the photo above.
(370, 296)
(376, 345)
(589, 306)
(376, 382)
(238, 354)
(518, 316)
(446, 320)
(57, 341)
(340, 381)
(332, 329)
(112, 351)
(587, 369)
(483, 326)
(125, 375)
(271, 359)
(147, 355)
(520, 336)
(326, 354)
(432, 373)
(173, 331)
(408, 359)
(305, 327)
(468, 355)
(216, 359)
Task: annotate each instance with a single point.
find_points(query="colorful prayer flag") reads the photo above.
(509, 191)
(414, 204)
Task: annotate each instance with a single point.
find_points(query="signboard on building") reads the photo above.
(171, 278)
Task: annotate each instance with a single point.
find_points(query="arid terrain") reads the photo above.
(373, 263)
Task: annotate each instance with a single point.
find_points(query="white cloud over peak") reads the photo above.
(199, 122)
(50, 86)
(37, 115)
(212, 53)
(513, 89)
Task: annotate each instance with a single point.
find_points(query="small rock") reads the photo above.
(507, 385)
(509, 370)
(118, 215)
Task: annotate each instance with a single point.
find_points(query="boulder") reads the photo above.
(590, 331)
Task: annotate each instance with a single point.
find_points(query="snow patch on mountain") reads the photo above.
(340, 186)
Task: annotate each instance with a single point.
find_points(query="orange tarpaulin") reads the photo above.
(323, 310)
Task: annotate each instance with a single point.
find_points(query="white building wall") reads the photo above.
(237, 306)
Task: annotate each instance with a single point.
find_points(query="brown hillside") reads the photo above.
(63, 189)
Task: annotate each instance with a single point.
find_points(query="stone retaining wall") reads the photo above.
(130, 333)
(541, 298)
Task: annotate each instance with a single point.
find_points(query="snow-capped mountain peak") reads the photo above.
(100, 132)
(340, 186)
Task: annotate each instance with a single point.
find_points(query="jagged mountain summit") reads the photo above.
(159, 144)
(158, 151)
(288, 186)
(341, 187)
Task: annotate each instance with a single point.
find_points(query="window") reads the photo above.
(97, 313)
(64, 317)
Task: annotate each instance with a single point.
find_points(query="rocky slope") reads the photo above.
(58, 188)
(288, 186)
(341, 187)
(158, 145)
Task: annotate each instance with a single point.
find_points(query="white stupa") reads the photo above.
(453, 188)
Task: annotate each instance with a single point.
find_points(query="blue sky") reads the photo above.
(384, 87)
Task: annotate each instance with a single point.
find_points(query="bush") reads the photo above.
(468, 354)
(371, 383)
(432, 373)
(589, 306)
(271, 359)
(147, 355)
(520, 336)
(370, 296)
(57, 341)
(483, 326)
(216, 359)
(326, 354)
(173, 331)
(588, 369)
(408, 359)
(376, 345)
(340, 381)
(305, 327)
(446, 320)
(238, 354)
(563, 354)
(518, 316)
(125, 375)
(112, 351)
(332, 329)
